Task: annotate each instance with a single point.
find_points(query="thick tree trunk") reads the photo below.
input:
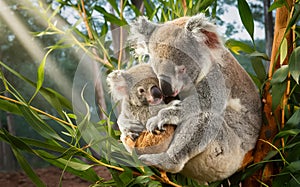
(270, 128)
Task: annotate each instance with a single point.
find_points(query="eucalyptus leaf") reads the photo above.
(263, 56)
(259, 68)
(295, 16)
(283, 50)
(141, 180)
(9, 107)
(74, 166)
(277, 93)
(110, 17)
(291, 132)
(154, 184)
(238, 46)
(294, 166)
(114, 4)
(126, 176)
(27, 169)
(40, 75)
(246, 17)
(54, 98)
(277, 4)
(280, 75)
(38, 124)
(294, 121)
(294, 64)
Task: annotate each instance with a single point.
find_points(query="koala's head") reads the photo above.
(138, 85)
(180, 51)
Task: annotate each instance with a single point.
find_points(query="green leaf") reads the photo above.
(27, 169)
(115, 174)
(277, 93)
(291, 132)
(238, 46)
(74, 166)
(141, 180)
(277, 4)
(15, 141)
(40, 75)
(110, 17)
(202, 5)
(9, 107)
(294, 121)
(294, 64)
(295, 17)
(283, 50)
(280, 75)
(51, 145)
(263, 56)
(294, 166)
(149, 8)
(114, 4)
(259, 68)
(256, 81)
(54, 98)
(154, 184)
(38, 124)
(126, 176)
(246, 17)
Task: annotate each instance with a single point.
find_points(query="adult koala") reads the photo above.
(219, 117)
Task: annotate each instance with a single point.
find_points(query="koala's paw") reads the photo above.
(156, 123)
(133, 135)
(162, 161)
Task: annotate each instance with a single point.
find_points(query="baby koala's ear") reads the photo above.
(118, 85)
(203, 30)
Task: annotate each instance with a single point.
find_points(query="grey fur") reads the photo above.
(135, 106)
(219, 116)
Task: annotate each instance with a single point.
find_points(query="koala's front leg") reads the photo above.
(130, 127)
(169, 115)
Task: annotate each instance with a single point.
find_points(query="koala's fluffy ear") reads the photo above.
(117, 84)
(140, 32)
(203, 30)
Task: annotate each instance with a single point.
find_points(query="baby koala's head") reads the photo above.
(138, 85)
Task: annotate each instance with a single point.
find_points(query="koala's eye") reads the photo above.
(141, 90)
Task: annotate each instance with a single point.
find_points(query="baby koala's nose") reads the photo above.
(156, 92)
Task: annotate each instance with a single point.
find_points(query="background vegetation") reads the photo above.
(52, 109)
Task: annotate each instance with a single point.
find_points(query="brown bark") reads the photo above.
(269, 128)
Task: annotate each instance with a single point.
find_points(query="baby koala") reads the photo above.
(138, 90)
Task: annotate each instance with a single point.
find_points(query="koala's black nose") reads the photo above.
(166, 87)
(155, 92)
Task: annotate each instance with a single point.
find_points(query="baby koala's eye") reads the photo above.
(141, 90)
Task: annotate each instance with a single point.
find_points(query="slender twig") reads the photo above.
(37, 110)
(184, 7)
(82, 14)
(288, 87)
(121, 36)
(84, 17)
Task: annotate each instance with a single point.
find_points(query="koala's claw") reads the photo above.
(155, 123)
(162, 161)
(133, 135)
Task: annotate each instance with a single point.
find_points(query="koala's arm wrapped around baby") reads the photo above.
(152, 143)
